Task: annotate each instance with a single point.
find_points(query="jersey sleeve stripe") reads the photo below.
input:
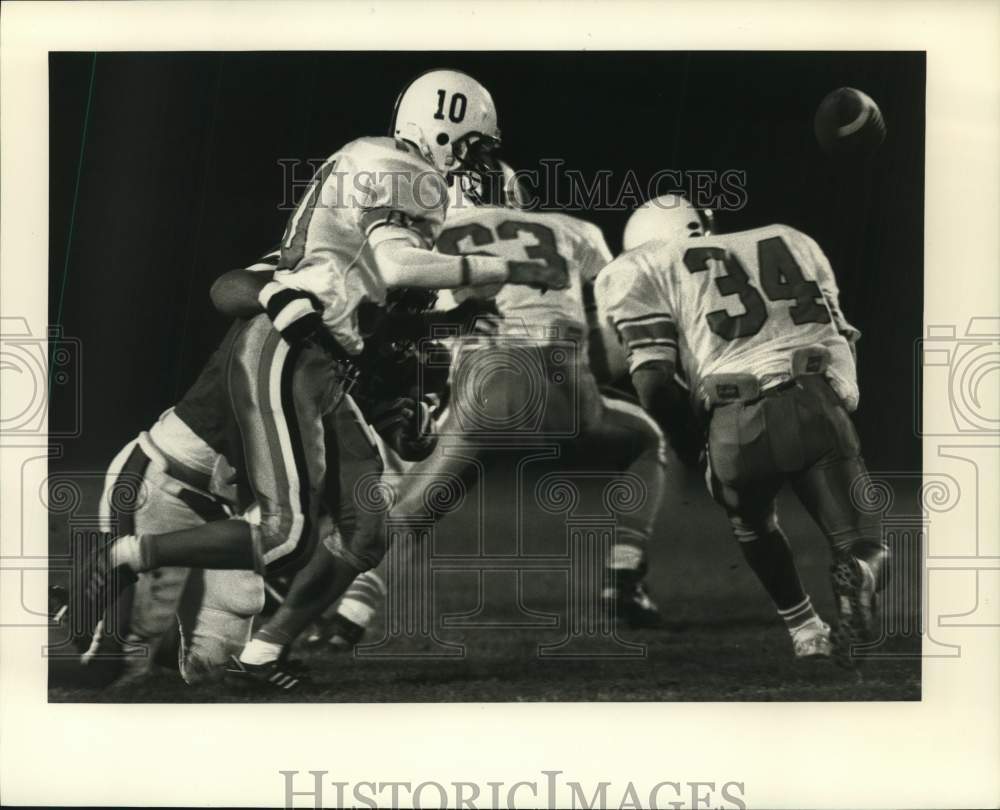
(638, 344)
(642, 319)
(658, 329)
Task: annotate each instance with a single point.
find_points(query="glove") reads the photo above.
(540, 276)
(406, 426)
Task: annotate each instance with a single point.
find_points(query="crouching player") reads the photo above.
(179, 481)
(754, 320)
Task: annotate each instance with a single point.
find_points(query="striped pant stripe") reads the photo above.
(262, 374)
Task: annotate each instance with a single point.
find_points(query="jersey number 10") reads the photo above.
(780, 277)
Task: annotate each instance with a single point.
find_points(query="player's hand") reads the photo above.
(540, 276)
(406, 426)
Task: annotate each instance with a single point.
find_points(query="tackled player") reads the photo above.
(366, 224)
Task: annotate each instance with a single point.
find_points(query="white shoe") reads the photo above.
(812, 640)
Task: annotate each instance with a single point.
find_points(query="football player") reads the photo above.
(529, 375)
(171, 478)
(366, 224)
(754, 320)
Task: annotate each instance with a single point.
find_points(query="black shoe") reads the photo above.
(344, 634)
(96, 586)
(318, 633)
(640, 611)
(58, 605)
(855, 592)
(634, 607)
(282, 674)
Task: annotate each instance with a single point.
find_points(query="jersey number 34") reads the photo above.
(780, 277)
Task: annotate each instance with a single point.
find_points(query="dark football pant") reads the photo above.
(801, 434)
(282, 397)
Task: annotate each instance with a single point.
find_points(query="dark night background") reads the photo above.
(164, 173)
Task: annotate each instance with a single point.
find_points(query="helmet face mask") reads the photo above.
(478, 170)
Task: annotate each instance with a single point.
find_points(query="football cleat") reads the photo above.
(318, 633)
(855, 592)
(282, 674)
(96, 586)
(58, 605)
(633, 605)
(812, 640)
(345, 634)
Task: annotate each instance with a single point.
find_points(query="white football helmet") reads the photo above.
(668, 217)
(451, 119)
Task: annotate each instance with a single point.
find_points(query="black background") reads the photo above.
(164, 173)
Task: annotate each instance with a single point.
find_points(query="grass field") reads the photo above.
(722, 640)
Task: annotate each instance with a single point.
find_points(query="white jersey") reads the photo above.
(738, 303)
(554, 239)
(326, 248)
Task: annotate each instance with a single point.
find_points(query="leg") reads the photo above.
(215, 620)
(455, 457)
(744, 477)
(828, 489)
(860, 556)
(280, 397)
(630, 440)
(352, 543)
(147, 612)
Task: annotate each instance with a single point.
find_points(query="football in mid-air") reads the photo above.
(849, 122)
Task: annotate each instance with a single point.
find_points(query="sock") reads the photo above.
(799, 615)
(361, 601)
(259, 651)
(771, 559)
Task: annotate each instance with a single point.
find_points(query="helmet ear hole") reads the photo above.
(442, 138)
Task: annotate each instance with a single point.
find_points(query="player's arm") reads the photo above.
(629, 299)
(402, 212)
(236, 293)
(404, 262)
(247, 292)
(296, 314)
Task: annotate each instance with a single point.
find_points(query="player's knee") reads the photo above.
(237, 591)
(281, 532)
(362, 550)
